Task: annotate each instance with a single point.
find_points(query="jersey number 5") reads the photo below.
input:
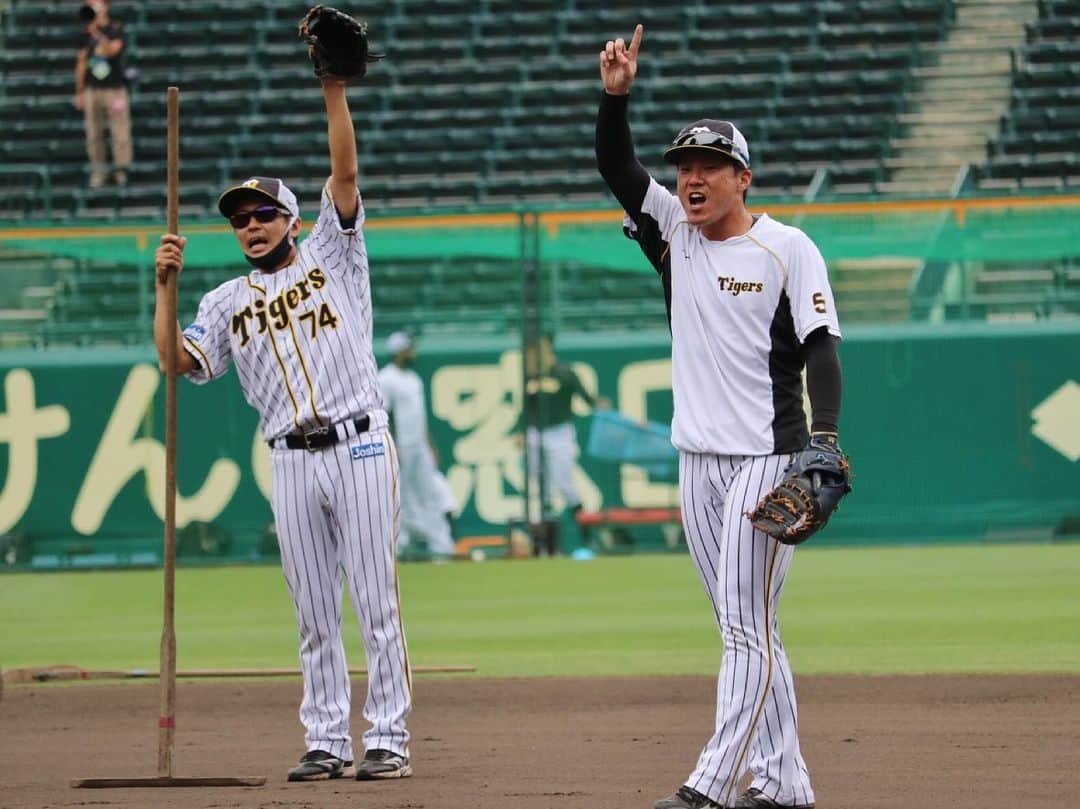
(323, 317)
(819, 303)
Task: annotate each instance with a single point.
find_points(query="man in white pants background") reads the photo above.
(552, 440)
(423, 512)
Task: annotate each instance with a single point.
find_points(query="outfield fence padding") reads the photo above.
(967, 432)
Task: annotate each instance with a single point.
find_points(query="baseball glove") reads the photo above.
(801, 504)
(337, 44)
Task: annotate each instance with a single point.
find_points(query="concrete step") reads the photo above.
(918, 187)
(1003, 38)
(980, 87)
(946, 162)
(995, 4)
(991, 16)
(937, 177)
(951, 115)
(941, 139)
(959, 135)
(960, 97)
(982, 75)
(994, 60)
(988, 24)
(921, 162)
(1009, 8)
(881, 263)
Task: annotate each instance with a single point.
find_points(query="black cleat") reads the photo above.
(686, 798)
(318, 765)
(754, 798)
(383, 764)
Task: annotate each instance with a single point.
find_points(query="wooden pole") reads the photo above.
(167, 718)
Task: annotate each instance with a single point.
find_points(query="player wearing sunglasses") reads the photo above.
(298, 329)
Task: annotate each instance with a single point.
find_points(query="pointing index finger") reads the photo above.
(635, 43)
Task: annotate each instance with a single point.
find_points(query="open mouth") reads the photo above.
(256, 241)
(695, 198)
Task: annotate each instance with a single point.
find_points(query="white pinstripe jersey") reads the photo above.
(300, 337)
(739, 311)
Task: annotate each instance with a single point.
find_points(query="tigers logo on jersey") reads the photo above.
(729, 283)
(275, 313)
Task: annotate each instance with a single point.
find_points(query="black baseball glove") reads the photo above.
(337, 44)
(803, 501)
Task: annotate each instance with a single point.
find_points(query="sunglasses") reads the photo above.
(704, 139)
(264, 214)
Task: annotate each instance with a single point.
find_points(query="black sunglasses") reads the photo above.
(264, 214)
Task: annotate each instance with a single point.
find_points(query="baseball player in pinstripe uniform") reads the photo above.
(749, 307)
(298, 330)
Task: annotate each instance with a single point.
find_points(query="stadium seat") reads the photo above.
(456, 117)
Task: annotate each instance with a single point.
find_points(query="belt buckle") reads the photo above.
(319, 432)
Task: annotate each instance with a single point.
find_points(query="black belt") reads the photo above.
(320, 437)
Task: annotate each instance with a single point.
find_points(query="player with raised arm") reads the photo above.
(749, 306)
(298, 329)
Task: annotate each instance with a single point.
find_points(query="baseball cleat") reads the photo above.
(383, 764)
(754, 798)
(318, 765)
(686, 798)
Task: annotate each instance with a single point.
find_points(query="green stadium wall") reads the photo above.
(968, 432)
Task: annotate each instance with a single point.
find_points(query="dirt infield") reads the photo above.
(871, 743)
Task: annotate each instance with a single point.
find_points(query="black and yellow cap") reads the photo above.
(275, 191)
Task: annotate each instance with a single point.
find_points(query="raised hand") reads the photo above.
(618, 63)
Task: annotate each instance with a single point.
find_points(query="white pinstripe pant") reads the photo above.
(743, 572)
(337, 514)
(422, 501)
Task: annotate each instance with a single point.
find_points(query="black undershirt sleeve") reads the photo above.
(625, 176)
(823, 380)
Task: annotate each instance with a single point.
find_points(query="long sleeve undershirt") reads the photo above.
(625, 176)
(823, 380)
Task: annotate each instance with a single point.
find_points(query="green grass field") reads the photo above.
(1002, 608)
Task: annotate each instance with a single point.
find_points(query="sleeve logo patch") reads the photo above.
(372, 450)
(195, 332)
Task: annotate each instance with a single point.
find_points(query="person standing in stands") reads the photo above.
(101, 93)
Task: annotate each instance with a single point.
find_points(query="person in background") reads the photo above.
(422, 500)
(549, 392)
(101, 93)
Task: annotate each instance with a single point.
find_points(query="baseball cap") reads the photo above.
(270, 187)
(710, 135)
(398, 342)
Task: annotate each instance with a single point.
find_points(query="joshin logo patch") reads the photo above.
(372, 450)
(195, 332)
